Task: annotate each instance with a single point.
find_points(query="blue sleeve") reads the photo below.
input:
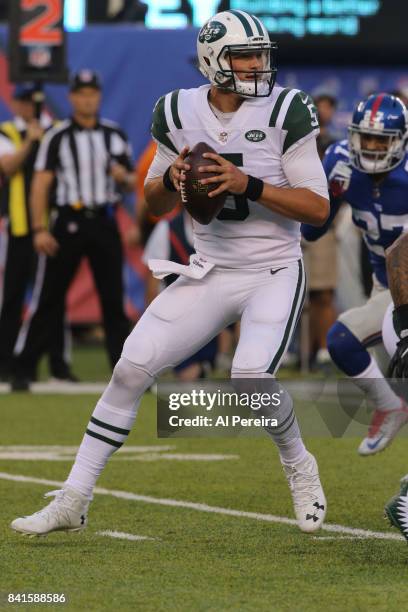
(311, 232)
(330, 158)
(335, 164)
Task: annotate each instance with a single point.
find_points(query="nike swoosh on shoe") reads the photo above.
(374, 445)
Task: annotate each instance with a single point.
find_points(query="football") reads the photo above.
(194, 195)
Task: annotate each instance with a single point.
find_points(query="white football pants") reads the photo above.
(365, 322)
(182, 319)
(186, 315)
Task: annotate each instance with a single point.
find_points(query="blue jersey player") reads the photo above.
(370, 172)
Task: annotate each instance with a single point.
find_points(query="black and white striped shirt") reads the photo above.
(81, 160)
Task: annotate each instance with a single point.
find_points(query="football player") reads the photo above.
(395, 335)
(397, 508)
(248, 264)
(370, 172)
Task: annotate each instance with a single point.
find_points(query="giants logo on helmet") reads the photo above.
(376, 122)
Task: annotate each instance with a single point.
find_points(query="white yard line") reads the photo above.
(177, 457)
(123, 536)
(39, 448)
(339, 538)
(269, 518)
(299, 389)
(140, 453)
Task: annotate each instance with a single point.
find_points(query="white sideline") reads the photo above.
(270, 518)
(61, 388)
(123, 536)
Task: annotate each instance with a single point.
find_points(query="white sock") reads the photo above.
(106, 432)
(286, 435)
(377, 389)
(109, 425)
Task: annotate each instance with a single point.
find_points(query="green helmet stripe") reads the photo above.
(174, 109)
(244, 21)
(258, 25)
(277, 107)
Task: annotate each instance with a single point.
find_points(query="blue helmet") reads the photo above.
(383, 118)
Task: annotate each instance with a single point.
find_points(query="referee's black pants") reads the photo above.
(19, 261)
(90, 233)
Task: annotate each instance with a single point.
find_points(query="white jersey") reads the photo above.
(245, 234)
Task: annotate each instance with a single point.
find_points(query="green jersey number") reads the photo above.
(241, 210)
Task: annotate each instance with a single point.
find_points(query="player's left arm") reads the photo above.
(311, 233)
(306, 199)
(299, 203)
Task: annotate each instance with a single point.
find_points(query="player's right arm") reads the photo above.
(162, 191)
(162, 183)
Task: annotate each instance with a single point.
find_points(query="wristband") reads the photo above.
(37, 230)
(167, 182)
(254, 188)
(400, 320)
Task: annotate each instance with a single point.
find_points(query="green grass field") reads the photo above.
(195, 560)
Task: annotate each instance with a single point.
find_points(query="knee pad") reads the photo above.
(140, 350)
(129, 375)
(346, 350)
(127, 385)
(251, 360)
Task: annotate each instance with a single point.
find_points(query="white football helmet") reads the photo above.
(236, 33)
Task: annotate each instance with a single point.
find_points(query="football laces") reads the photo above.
(182, 183)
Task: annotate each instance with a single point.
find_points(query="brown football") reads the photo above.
(194, 194)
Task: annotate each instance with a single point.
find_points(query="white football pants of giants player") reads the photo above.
(390, 337)
(365, 322)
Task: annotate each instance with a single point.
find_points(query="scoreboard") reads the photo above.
(318, 31)
(332, 32)
(37, 41)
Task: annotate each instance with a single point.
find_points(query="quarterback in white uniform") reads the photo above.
(248, 264)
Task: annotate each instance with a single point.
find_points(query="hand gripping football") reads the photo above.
(194, 195)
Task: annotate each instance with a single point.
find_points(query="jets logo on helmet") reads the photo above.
(236, 33)
(212, 31)
(377, 134)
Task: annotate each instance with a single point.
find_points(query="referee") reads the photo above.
(87, 160)
(19, 141)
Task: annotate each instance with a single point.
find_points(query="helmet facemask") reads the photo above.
(374, 161)
(260, 82)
